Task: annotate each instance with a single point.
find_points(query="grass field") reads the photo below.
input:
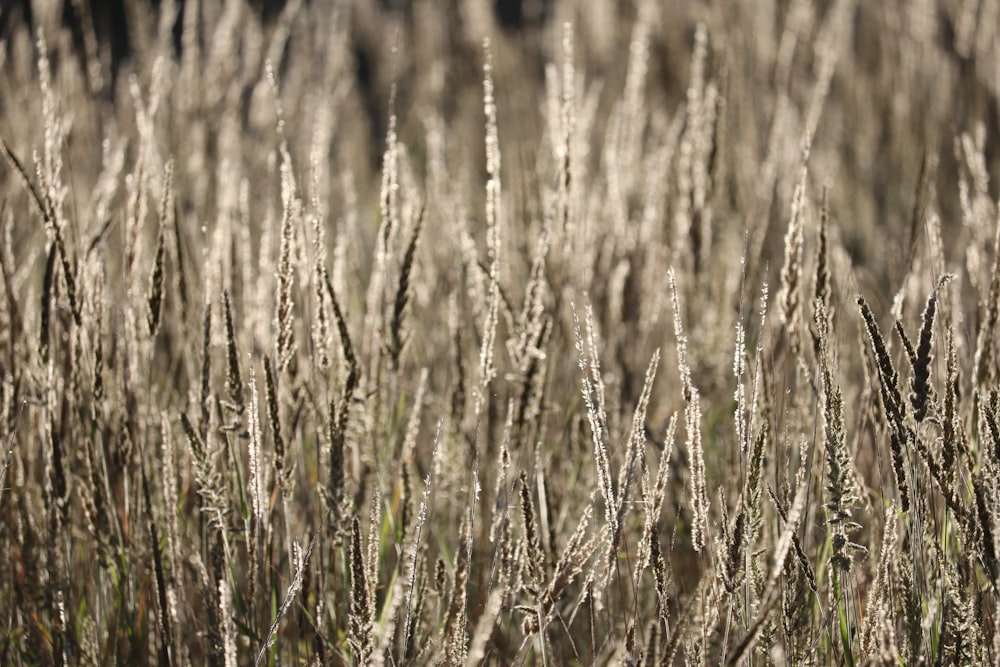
(642, 333)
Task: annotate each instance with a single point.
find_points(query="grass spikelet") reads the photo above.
(413, 423)
(789, 296)
(389, 191)
(397, 332)
(877, 632)
(414, 552)
(174, 584)
(374, 326)
(340, 411)
(739, 370)
(353, 371)
(984, 348)
(372, 555)
(565, 128)
(455, 633)
(788, 534)
(44, 209)
(155, 299)
(527, 349)
(179, 264)
(15, 164)
(255, 522)
(985, 528)
(68, 277)
(234, 384)
(911, 354)
(300, 562)
(209, 484)
(320, 330)
(165, 649)
(692, 159)
(912, 605)
(731, 552)
(97, 388)
(211, 578)
(487, 367)
(579, 548)
(206, 368)
(362, 622)
(839, 481)
(46, 305)
(282, 465)
(951, 431)
(285, 276)
(682, 362)
(336, 432)
(321, 327)
(920, 389)
(990, 425)
(961, 633)
(636, 442)
(821, 290)
(596, 419)
(653, 498)
(499, 524)
(533, 543)
(457, 398)
(651, 650)
(692, 424)
(8, 453)
(892, 403)
(699, 494)
(229, 650)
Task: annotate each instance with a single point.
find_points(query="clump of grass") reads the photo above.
(544, 240)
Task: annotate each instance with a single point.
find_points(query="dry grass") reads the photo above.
(358, 336)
